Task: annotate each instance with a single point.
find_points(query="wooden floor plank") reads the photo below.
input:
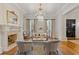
(69, 48)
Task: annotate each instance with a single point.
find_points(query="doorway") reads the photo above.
(70, 28)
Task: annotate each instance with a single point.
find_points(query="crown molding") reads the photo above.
(70, 8)
(67, 8)
(16, 6)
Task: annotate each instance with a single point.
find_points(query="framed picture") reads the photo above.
(11, 17)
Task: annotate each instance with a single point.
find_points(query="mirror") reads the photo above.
(11, 17)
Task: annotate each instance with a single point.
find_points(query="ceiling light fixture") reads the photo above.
(40, 15)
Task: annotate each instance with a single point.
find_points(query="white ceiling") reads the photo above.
(49, 9)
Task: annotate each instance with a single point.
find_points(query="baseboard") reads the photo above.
(73, 38)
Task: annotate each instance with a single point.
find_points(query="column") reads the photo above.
(0, 41)
(4, 38)
(59, 27)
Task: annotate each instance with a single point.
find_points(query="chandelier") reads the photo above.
(40, 15)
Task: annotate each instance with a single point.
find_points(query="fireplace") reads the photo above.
(40, 36)
(12, 38)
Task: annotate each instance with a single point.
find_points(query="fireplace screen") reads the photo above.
(12, 38)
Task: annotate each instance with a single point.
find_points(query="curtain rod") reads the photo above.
(40, 19)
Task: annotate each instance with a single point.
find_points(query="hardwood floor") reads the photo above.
(69, 48)
(66, 47)
(11, 52)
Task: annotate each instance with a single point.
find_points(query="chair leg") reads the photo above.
(53, 52)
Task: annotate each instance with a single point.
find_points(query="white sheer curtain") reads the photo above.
(49, 27)
(30, 28)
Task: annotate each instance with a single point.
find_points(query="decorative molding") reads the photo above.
(67, 8)
(12, 17)
(36, 19)
(70, 8)
(19, 8)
